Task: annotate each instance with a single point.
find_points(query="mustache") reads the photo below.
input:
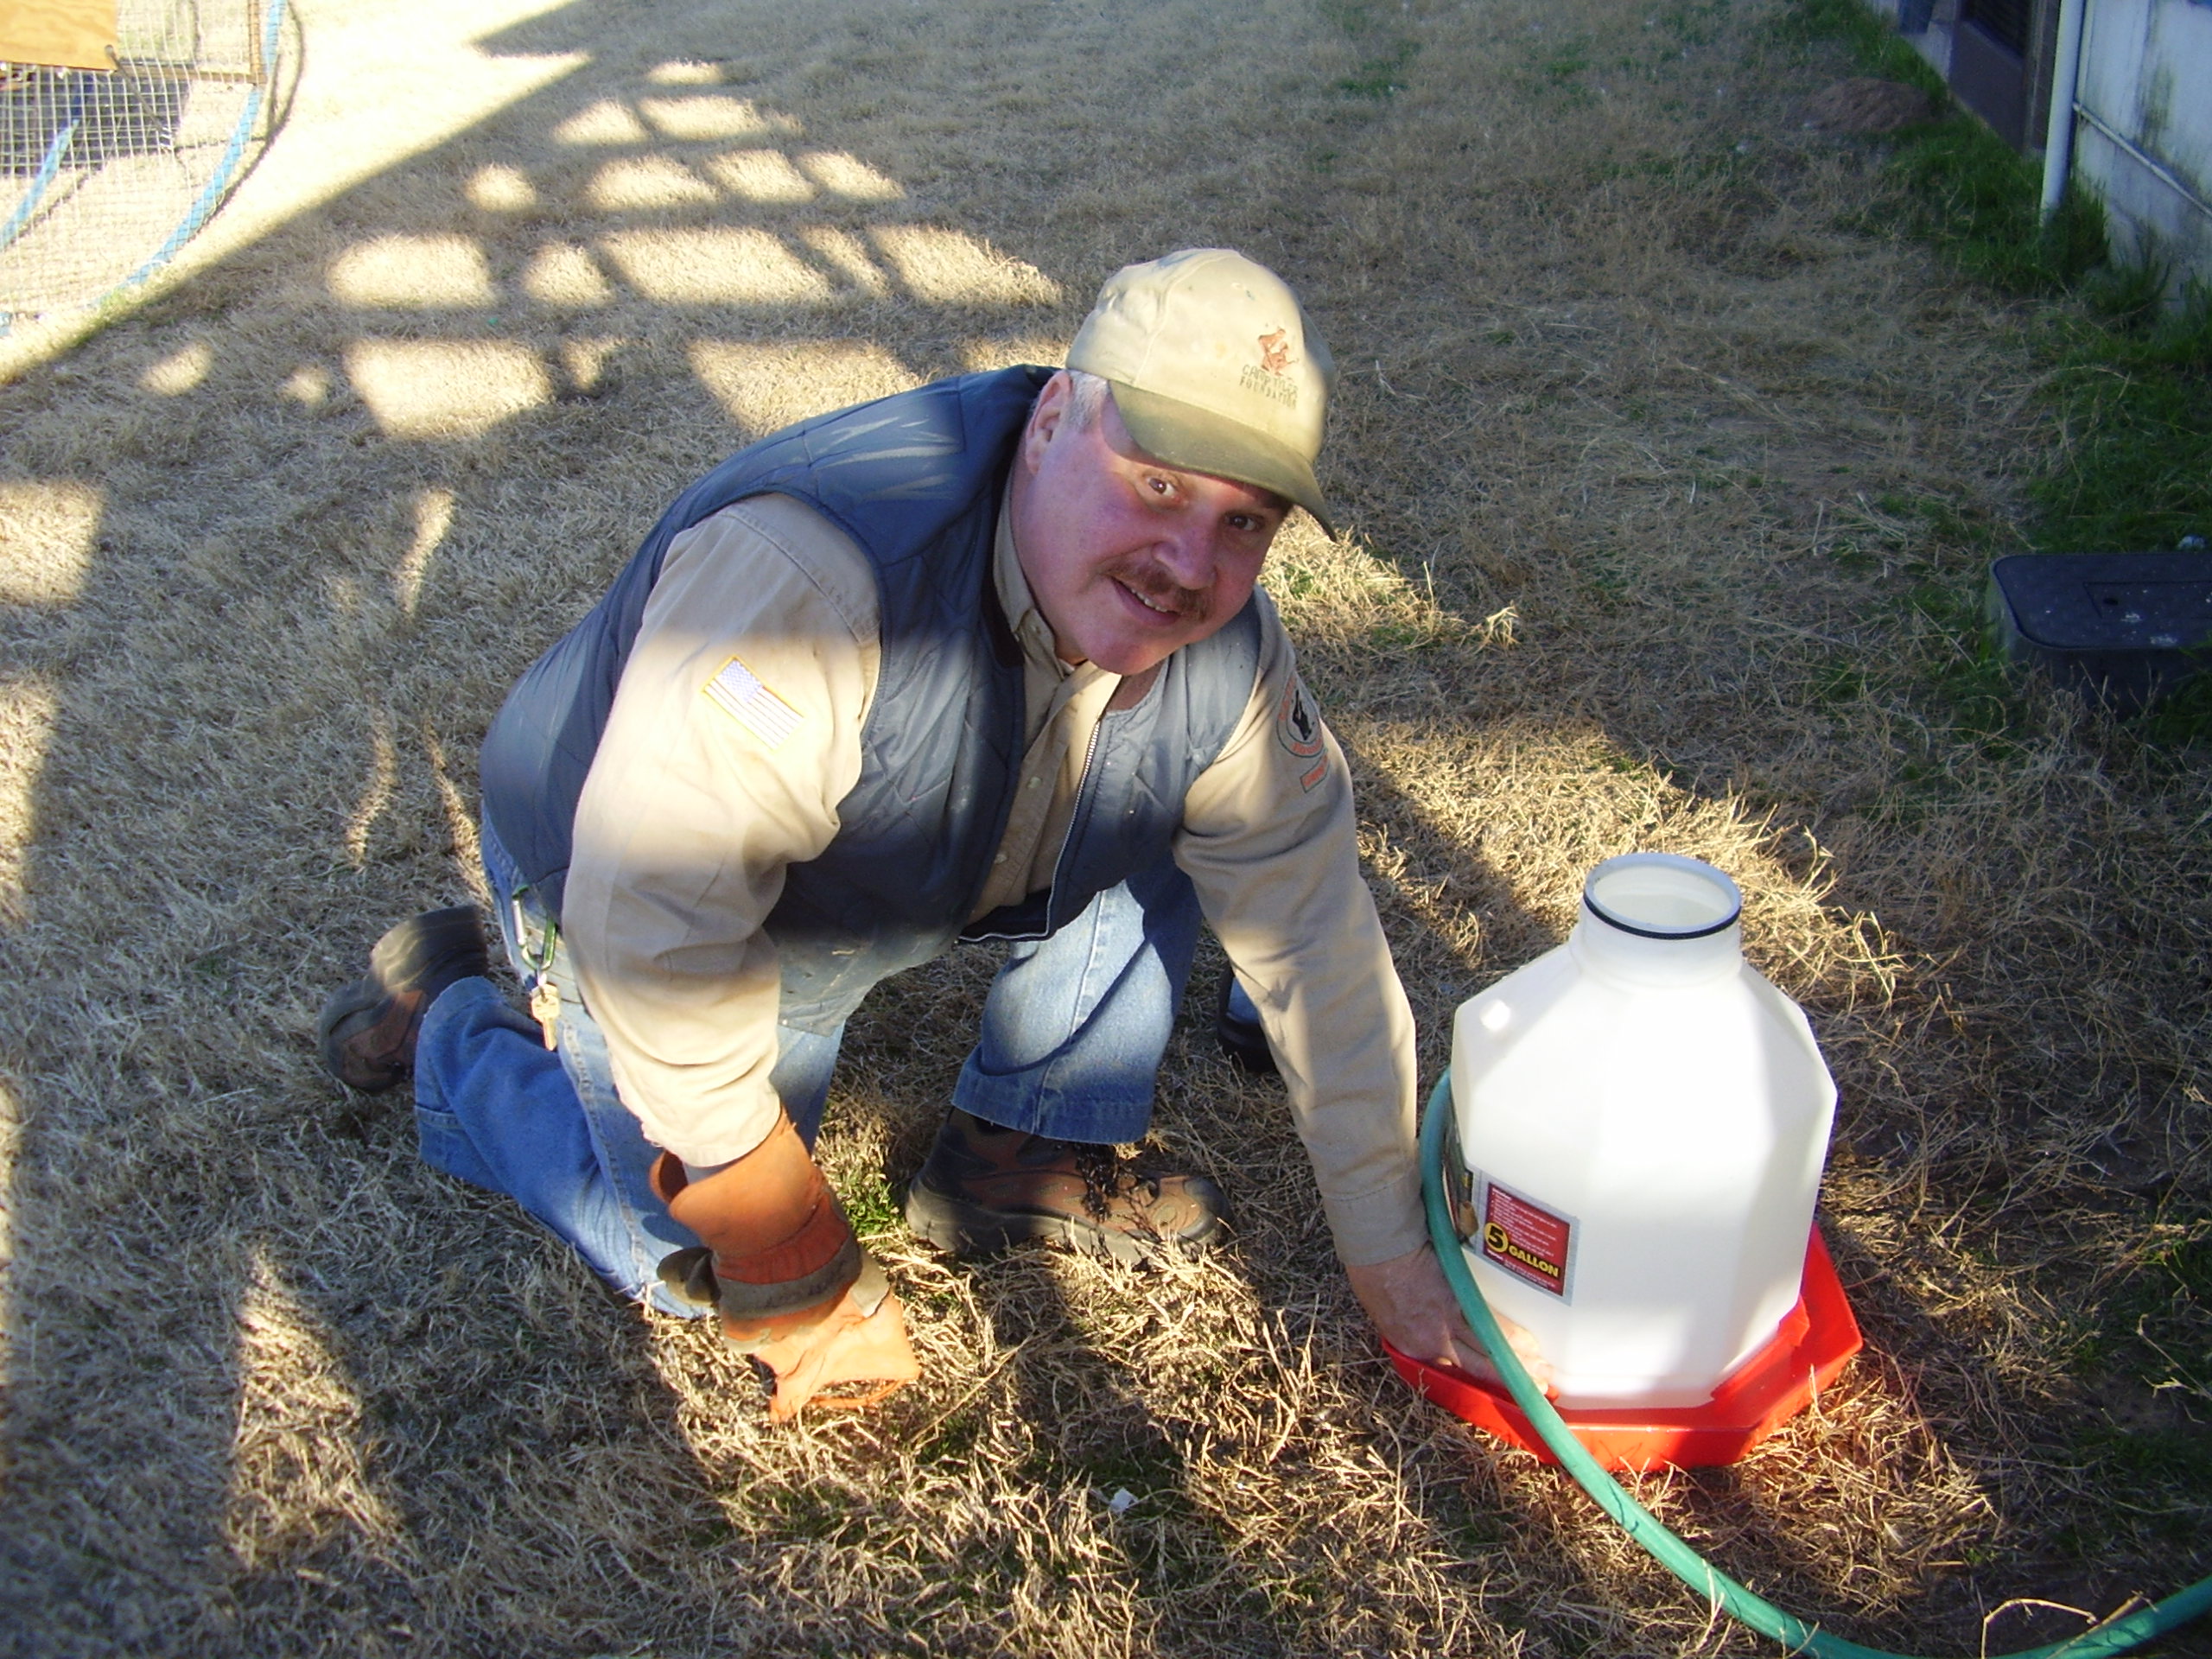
(1147, 580)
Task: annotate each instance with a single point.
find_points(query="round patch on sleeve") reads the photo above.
(1297, 728)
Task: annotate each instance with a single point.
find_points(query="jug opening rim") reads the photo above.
(1610, 921)
(1715, 893)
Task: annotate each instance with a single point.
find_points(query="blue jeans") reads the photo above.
(1072, 1033)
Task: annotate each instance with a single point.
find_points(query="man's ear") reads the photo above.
(1046, 416)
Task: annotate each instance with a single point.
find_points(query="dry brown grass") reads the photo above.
(1627, 420)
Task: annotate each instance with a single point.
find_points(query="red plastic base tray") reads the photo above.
(1805, 1354)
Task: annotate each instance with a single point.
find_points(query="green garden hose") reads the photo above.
(2117, 1636)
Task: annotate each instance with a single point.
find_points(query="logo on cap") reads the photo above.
(1268, 377)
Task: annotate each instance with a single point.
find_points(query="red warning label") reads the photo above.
(1526, 1239)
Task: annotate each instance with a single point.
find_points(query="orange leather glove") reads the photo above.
(793, 1287)
(862, 1339)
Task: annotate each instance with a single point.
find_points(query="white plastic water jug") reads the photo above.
(1643, 1120)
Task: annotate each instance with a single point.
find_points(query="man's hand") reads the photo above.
(1412, 1306)
(848, 1346)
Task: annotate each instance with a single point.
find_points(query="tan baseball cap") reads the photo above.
(1214, 369)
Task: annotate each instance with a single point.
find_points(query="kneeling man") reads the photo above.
(982, 661)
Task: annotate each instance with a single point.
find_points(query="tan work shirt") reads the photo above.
(710, 781)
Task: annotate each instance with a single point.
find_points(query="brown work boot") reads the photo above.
(983, 1188)
(368, 1028)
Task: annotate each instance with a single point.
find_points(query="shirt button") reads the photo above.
(1001, 859)
(1033, 782)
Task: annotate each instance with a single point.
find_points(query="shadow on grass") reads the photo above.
(271, 1384)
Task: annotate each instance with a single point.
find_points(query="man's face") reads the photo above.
(1130, 559)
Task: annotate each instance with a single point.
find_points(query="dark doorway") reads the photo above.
(1989, 63)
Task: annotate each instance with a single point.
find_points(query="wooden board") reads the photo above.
(59, 33)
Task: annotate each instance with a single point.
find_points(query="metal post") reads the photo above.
(2065, 82)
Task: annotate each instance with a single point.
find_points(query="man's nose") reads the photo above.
(1188, 554)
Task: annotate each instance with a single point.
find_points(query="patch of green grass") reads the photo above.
(2134, 391)
(2183, 717)
(1166, 1538)
(1959, 667)
(1397, 638)
(871, 1205)
(1604, 579)
(1840, 683)
(1554, 69)
(1692, 22)
(2152, 1456)
(2137, 400)
(1967, 671)
(2156, 1323)
(955, 1438)
(820, 1513)
(1567, 61)
(1977, 201)
(1965, 190)
(1149, 1472)
(1848, 553)
(1879, 49)
(2132, 380)
(1381, 77)
(2155, 1331)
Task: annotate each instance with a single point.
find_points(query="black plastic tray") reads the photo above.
(2126, 627)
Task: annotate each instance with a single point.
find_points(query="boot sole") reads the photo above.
(452, 938)
(971, 1230)
(422, 943)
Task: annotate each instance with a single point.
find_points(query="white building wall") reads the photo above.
(2143, 139)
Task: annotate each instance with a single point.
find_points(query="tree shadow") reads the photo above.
(271, 1383)
(290, 531)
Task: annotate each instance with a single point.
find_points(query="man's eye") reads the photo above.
(1158, 486)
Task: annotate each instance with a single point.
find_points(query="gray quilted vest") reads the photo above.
(916, 480)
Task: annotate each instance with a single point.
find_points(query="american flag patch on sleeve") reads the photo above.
(741, 696)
